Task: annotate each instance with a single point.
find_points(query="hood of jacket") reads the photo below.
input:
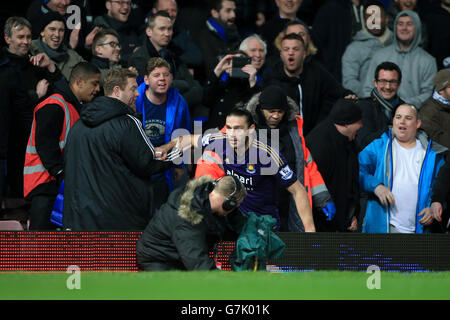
(253, 104)
(195, 200)
(417, 30)
(102, 109)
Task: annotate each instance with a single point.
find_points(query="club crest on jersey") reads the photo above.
(286, 173)
(250, 168)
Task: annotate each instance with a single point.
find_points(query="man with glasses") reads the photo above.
(418, 66)
(106, 51)
(117, 17)
(378, 109)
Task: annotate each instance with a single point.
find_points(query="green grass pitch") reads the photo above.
(219, 285)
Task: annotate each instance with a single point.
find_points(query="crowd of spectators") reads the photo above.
(353, 97)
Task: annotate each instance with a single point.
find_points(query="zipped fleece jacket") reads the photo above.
(418, 66)
(375, 167)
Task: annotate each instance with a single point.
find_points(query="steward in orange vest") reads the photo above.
(52, 120)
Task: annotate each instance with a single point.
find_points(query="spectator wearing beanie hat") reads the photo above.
(334, 150)
(273, 110)
(51, 41)
(435, 112)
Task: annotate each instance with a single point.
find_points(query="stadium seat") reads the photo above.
(10, 225)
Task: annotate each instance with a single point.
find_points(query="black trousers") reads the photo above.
(40, 212)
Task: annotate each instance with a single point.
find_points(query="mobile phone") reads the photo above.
(236, 64)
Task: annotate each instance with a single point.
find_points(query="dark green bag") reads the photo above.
(256, 244)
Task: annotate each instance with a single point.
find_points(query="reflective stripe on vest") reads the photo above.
(34, 171)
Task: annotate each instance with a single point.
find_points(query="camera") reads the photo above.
(236, 64)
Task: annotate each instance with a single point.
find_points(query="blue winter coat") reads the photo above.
(375, 167)
(177, 117)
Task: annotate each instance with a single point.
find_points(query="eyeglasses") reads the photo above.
(391, 82)
(122, 3)
(113, 44)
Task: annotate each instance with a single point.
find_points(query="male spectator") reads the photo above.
(106, 51)
(37, 81)
(219, 35)
(398, 171)
(378, 110)
(287, 11)
(188, 226)
(256, 49)
(52, 121)
(438, 27)
(418, 67)
(374, 36)
(117, 17)
(333, 148)
(440, 198)
(275, 112)
(76, 20)
(163, 111)
(13, 97)
(51, 42)
(302, 29)
(224, 91)
(261, 168)
(159, 33)
(108, 162)
(435, 112)
(190, 53)
(308, 83)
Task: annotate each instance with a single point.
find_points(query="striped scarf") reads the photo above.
(388, 106)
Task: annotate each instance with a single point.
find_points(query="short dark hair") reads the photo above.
(241, 112)
(390, 66)
(293, 36)
(83, 70)
(101, 35)
(152, 18)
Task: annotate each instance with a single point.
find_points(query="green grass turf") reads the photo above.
(217, 285)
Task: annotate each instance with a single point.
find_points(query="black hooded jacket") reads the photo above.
(108, 164)
(184, 231)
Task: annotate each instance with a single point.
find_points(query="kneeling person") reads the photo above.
(194, 218)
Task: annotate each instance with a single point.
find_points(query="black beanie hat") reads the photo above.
(273, 97)
(345, 111)
(50, 16)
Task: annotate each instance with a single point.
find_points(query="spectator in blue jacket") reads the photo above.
(164, 110)
(398, 171)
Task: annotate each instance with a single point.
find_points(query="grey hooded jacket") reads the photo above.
(418, 67)
(357, 56)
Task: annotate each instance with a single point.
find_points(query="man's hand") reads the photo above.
(90, 37)
(251, 70)
(354, 225)
(427, 217)
(75, 36)
(41, 88)
(224, 65)
(351, 97)
(42, 60)
(384, 195)
(436, 210)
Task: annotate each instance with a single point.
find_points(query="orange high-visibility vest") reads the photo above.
(34, 172)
